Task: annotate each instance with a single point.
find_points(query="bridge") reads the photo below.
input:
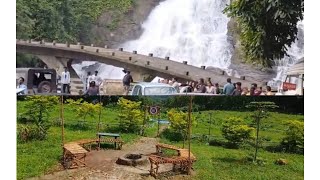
(143, 67)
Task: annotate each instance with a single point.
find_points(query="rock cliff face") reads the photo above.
(128, 26)
(238, 62)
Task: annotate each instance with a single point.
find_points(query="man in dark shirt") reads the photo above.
(127, 79)
(237, 91)
(201, 88)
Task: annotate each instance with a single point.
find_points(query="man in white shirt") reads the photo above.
(65, 81)
(175, 84)
(23, 90)
(97, 79)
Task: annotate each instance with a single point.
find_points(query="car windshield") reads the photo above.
(159, 90)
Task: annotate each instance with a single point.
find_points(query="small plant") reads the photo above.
(236, 131)
(130, 116)
(294, 139)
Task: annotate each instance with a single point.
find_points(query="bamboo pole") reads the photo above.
(62, 120)
(99, 114)
(189, 135)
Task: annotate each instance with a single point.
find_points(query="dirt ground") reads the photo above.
(102, 165)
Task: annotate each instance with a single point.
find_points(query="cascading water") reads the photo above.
(193, 31)
(185, 30)
(295, 52)
(189, 30)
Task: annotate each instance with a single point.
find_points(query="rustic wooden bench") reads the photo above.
(161, 146)
(182, 159)
(85, 142)
(74, 156)
(112, 140)
(155, 162)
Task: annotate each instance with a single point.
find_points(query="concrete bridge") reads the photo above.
(143, 68)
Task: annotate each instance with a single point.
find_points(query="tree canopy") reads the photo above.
(268, 27)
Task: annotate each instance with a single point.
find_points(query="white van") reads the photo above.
(294, 82)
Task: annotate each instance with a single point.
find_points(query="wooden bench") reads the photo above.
(155, 162)
(74, 155)
(182, 159)
(161, 146)
(112, 140)
(84, 142)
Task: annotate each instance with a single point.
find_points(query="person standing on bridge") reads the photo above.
(97, 79)
(238, 90)
(127, 79)
(228, 88)
(65, 81)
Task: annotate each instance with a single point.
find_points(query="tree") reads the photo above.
(179, 122)
(130, 116)
(268, 27)
(260, 112)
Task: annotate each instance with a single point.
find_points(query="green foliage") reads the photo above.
(294, 139)
(179, 122)
(171, 135)
(34, 120)
(268, 27)
(236, 131)
(63, 20)
(130, 116)
(83, 108)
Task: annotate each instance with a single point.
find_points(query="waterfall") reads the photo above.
(193, 31)
(185, 30)
(295, 52)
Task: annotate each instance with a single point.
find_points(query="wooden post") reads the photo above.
(210, 113)
(62, 121)
(189, 135)
(99, 114)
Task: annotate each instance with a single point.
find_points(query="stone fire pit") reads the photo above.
(132, 159)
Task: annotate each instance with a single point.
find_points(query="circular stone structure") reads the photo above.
(132, 159)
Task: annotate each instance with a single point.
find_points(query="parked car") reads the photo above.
(38, 80)
(147, 88)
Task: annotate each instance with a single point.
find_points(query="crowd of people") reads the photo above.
(230, 89)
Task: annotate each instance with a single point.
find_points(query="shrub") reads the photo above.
(236, 131)
(83, 108)
(294, 139)
(33, 122)
(179, 122)
(130, 116)
(171, 135)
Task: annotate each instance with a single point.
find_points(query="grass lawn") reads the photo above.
(213, 162)
(39, 157)
(216, 162)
